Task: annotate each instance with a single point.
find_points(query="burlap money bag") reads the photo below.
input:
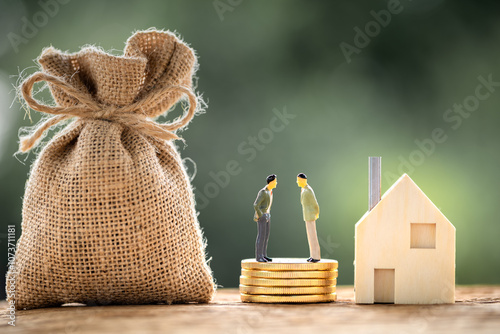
(108, 213)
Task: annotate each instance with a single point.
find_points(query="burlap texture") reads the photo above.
(108, 213)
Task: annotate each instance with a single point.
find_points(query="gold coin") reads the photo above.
(290, 274)
(281, 290)
(287, 282)
(289, 264)
(331, 297)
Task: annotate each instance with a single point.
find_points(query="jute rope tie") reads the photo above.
(131, 115)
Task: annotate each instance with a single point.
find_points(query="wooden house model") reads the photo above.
(404, 247)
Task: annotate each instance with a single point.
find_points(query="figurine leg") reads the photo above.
(266, 238)
(312, 239)
(259, 243)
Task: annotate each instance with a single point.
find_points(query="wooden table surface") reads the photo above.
(477, 310)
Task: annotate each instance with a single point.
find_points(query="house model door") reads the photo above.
(384, 286)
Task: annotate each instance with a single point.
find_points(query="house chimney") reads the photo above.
(374, 181)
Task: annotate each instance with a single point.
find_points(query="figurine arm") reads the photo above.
(317, 210)
(316, 205)
(257, 204)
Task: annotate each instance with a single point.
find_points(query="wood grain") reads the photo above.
(477, 310)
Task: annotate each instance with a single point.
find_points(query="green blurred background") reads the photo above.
(262, 58)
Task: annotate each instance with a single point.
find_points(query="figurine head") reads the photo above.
(302, 180)
(272, 181)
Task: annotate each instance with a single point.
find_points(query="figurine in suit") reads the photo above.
(310, 210)
(262, 207)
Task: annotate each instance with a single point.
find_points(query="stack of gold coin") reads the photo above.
(288, 280)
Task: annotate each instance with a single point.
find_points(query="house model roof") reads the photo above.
(405, 185)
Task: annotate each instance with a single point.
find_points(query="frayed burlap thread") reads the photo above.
(109, 212)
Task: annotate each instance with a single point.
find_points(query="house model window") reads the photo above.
(423, 235)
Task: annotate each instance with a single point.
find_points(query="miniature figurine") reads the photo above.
(310, 210)
(262, 206)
